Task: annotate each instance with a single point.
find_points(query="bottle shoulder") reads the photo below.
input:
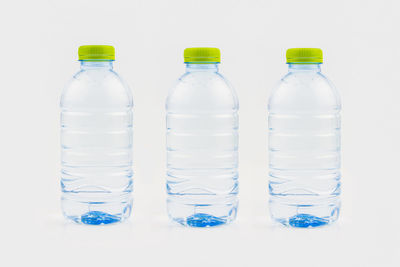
(302, 91)
(96, 89)
(202, 92)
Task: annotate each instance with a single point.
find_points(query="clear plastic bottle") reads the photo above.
(202, 143)
(96, 141)
(304, 144)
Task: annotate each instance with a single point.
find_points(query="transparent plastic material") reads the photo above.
(96, 140)
(202, 148)
(304, 148)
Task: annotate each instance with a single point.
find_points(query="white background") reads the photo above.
(39, 43)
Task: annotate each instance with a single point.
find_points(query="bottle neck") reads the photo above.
(107, 64)
(195, 67)
(305, 67)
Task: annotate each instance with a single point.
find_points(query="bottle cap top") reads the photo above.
(202, 55)
(304, 55)
(96, 52)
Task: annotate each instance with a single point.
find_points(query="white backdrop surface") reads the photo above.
(39, 42)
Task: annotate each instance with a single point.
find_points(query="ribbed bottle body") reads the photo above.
(304, 149)
(202, 149)
(96, 146)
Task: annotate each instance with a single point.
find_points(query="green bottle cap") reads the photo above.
(202, 55)
(96, 52)
(304, 55)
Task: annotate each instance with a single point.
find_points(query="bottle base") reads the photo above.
(201, 220)
(201, 215)
(96, 218)
(96, 213)
(305, 215)
(304, 221)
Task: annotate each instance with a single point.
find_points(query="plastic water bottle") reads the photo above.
(202, 143)
(304, 144)
(96, 140)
